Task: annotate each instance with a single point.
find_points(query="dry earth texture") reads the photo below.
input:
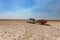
(21, 30)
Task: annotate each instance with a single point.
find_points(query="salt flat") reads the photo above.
(21, 30)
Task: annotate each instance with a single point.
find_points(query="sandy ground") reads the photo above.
(20, 30)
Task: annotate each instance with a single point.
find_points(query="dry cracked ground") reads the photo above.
(20, 30)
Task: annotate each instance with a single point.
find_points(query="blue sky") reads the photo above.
(24, 9)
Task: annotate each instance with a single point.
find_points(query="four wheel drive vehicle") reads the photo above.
(31, 20)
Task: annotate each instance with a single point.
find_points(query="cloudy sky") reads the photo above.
(24, 9)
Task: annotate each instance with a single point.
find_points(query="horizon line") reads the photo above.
(27, 19)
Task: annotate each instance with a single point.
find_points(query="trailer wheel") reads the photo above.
(43, 23)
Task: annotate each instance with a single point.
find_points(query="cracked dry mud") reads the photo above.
(16, 30)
